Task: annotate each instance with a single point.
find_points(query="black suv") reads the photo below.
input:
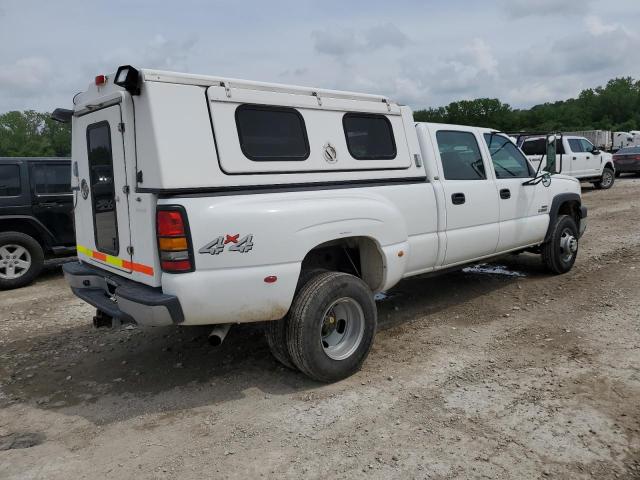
(36, 216)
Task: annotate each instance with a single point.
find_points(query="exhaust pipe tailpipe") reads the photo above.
(218, 334)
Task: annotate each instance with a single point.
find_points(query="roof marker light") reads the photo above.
(101, 80)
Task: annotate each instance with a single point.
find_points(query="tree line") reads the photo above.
(615, 106)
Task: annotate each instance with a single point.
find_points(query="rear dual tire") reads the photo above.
(329, 329)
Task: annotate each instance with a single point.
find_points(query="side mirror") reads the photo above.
(546, 179)
(595, 151)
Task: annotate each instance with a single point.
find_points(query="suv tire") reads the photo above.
(332, 323)
(21, 259)
(560, 252)
(607, 180)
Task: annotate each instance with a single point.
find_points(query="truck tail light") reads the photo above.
(174, 242)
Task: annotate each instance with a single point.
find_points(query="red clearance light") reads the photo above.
(270, 279)
(101, 80)
(170, 223)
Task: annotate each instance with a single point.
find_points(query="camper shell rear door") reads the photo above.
(102, 202)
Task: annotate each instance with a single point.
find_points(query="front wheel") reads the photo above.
(21, 259)
(560, 252)
(607, 179)
(332, 323)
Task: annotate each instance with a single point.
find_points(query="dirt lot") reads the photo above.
(473, 375)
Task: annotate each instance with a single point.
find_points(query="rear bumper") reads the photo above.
(122, 299)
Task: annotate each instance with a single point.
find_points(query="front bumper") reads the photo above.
(122, 299)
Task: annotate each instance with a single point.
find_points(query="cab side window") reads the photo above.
(508, 161)
(587, 146)
(576, 145)
(9, 180)
(460, 155)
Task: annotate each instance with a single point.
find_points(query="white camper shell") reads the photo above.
(206, 200)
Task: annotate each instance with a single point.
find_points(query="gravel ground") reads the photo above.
(500, 371)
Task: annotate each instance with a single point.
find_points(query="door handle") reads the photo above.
(575, 158)
(505, 193)
(458, 198)
(48, 204)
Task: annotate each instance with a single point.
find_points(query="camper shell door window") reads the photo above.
(102, 187)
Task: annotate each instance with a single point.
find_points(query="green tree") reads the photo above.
(33, 134)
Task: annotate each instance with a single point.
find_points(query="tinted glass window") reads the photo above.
(369, 137)
(271, 134)
(628, 151)
(534, 147)
(102, 188)
(461, 157)
(508, 161)
(587, 146)
(9, 180)
(538, 147)
(576, 145)
(52, 178)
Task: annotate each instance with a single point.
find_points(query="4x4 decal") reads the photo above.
(236, 244)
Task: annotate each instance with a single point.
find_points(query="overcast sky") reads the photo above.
(422, 53)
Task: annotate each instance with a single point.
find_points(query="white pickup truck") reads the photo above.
(209, 201)
(576, 156)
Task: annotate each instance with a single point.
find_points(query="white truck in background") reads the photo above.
(203, 200)
(575, 156)
(608, 141)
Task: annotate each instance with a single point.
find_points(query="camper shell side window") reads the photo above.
(271, 133)
(369, 136)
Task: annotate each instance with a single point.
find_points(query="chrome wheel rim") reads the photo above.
(342, 328)
(568, 245)
(607, 178)
(15, 261)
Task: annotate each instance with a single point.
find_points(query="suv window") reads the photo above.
(460, 154)
(271, 134)
(508, 161)
(9, 180)
(102, 188)
(50, 178)
(369, 137)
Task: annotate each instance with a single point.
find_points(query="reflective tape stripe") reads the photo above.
(115, 261)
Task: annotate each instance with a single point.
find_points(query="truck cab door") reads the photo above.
(593, 161)
(524, 209)
(577, 159)
(470, 196)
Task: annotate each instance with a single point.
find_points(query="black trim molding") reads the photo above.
(292, 187)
